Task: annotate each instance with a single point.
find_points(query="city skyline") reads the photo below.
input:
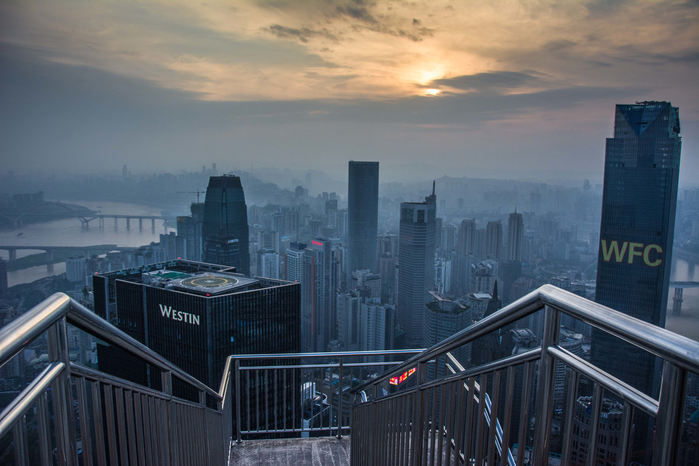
(523, 88)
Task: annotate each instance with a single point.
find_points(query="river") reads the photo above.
(68, 233)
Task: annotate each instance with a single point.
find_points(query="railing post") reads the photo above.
(669, 421)
(168, 442)
(19, 436)
(238, 435)
(416, 443)
(339, 408)
(62, 395)
(547, 374)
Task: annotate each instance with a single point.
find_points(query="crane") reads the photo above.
(197, 192)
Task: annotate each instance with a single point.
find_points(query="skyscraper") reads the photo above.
(493, 240)
(638, 222)
(466, 243)
(416, 266)
(318, 320)
(363, 206)
(195, 315)
(515, 233)
(226, 219)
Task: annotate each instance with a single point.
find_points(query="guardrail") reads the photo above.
(301, 394)
(443, 421)
(118, 422)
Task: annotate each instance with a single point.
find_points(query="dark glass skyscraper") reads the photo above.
(638, 221)
(416, 266)
(226, 219)
(363, 206)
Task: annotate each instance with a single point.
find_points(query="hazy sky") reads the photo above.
(477, 88)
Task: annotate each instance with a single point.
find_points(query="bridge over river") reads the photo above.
(85, 217)
(51, 250)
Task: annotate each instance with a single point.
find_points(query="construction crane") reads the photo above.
(197, 192)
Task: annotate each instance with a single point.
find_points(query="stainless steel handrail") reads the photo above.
(663, 343)
(122, 400)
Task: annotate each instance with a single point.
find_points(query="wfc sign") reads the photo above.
(628, 252)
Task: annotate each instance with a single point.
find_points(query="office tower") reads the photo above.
(318, 293)
(449, 237)
(331, 212)
(483, 276)
(175, 246)
(190, 228)
(492, 346)
(267, 263)
(363, 206)
(510, 272)
(195, 315)
(222, 250)
(493, 240)
(226, 216)
(367, 279)
(416, 270)
(376, 324)
(347, 310)
(3, 277)
(638, 222)
(515, 233)
(294, 262)
(641, 174)
(443, 318)
(466, 242)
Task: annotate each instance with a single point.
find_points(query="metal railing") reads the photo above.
(301, 394)
(99, 419)
(443, 421)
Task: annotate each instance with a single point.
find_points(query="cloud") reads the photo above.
(303, 34)
(486, 82)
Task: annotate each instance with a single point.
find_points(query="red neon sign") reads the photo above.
(403, 377)
(317, 243)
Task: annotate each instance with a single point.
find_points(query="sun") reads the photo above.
(432, 92)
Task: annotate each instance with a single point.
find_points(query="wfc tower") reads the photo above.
(638, 223)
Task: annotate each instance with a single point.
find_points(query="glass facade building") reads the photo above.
(226, 216)
(195, 315)
(416, 269)
(363, 207)
(638, 218)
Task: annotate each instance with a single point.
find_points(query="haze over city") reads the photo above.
(503, 89)
(349, 232)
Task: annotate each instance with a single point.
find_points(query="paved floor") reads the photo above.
(322, 451)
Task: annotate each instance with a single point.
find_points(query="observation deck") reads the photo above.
(538, 405)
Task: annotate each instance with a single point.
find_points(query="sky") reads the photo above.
(519, 89)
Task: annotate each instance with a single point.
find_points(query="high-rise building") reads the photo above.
(190, 228)
(493, 240)
(294, 262)
(443, 318)
(466, 242)
(416, 269)
(318, 319)
(226, 216)
(638, 222)
(3, 277)
(268, 263)
(195, 315)
(641, 175)
(363, 207)
(515, 233)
